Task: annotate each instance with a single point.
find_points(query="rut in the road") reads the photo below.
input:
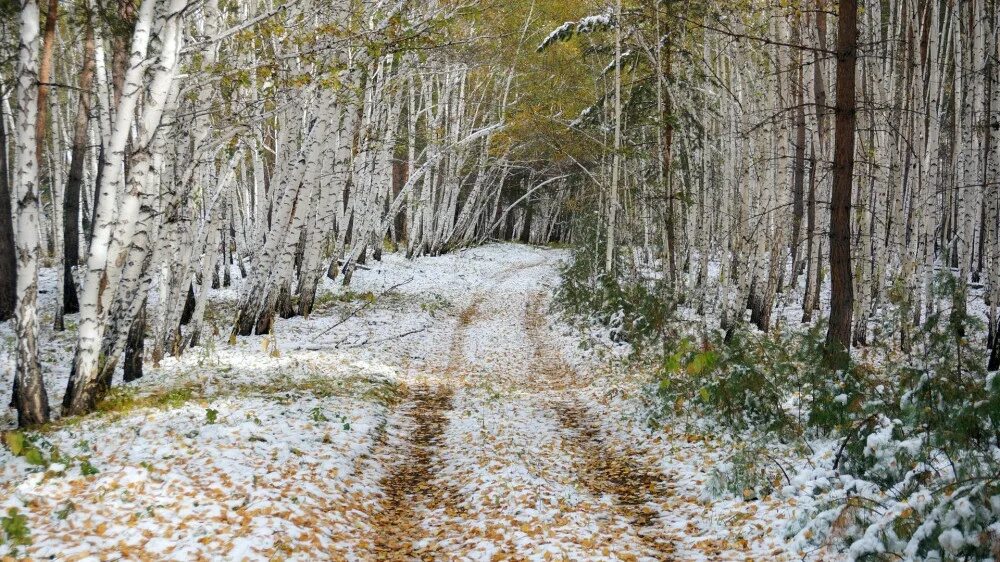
(606, 470)
(602, 469)
(397, 524)
(410, 483)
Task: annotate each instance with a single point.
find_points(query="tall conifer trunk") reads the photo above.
(838, 337)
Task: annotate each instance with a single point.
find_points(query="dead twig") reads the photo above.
(393, 337)
(367, 303)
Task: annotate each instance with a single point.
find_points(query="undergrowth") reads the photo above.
(899, 450)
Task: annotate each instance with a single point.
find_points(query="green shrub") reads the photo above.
(637, 311)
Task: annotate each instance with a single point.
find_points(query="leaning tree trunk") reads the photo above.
(30, 400)
(114, 227)
(838, 337)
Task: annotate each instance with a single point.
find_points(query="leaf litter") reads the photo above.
(483, 433)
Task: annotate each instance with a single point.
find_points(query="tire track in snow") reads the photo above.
(398, 525)
(400, 533)
(603, 469)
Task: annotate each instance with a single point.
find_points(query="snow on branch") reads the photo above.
(566, 31)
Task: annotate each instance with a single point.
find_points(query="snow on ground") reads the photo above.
(448, 418)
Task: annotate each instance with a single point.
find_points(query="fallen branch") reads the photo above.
(342, 263)
(394, 337)
(781, 468)
(847, 439)
(360, 308)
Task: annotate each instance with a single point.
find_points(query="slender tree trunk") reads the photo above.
(8, 261)
(838, 338)
(609, 255)
(44, 77)
(31, 400)
(78, 155)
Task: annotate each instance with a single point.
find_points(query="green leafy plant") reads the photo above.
(28, 448)
(64, 512)
(316, 415)
(434, 303)
(750, 473)
(15, 528)
(211, 415)
(86, 468)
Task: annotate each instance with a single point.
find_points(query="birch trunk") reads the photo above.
(30, 398)
(113, 234)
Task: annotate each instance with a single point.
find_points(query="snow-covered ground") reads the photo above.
(451, 419)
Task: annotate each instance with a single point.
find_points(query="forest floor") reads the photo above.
(434, 411)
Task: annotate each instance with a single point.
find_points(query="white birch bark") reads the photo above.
(113, 227)
(30, 400)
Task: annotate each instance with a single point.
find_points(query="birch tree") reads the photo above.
(30, 398)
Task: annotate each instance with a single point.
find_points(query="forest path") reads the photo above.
(455, 491)
(397, 527)
(434, 410)
(603, 468)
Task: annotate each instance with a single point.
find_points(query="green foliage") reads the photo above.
(86, 468)
(749, 474)
(15, 528)
(211, 415)
(29, 447)
(125, 399)
(434, 303)
(64, 512)
(35, 457)
(746, 381)
(637, 311)
(920, 424)
(934, 399)
(15, 442)
(327, 300)
(344, 424)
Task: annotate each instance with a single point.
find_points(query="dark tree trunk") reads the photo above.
(838, 337)
(71, 199)
(994, 339)
(798, 186)
(667, 147)
(44, 78)
(135, 346)
(227, 255)
(528, 216)
(807, 301)
(189, 303)
(759, 313)
(8, 262)
(265, 320)
(979, 261)
(285, 308)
